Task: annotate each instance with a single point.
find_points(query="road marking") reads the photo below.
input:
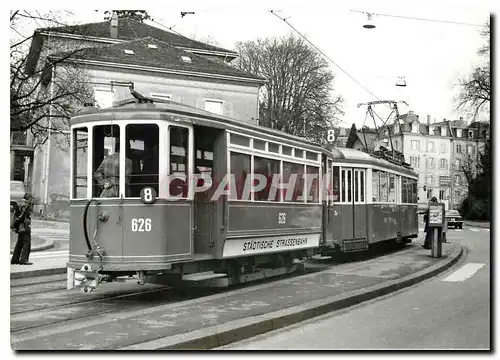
(464, 272)
(473, 229)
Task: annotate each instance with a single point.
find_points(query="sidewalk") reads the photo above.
(37, 243)
(221, 319)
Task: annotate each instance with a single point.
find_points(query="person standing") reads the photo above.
(107, 174)
(427, 229)
(22, 225)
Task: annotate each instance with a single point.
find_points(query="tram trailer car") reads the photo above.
(139, 214)
(373, 200)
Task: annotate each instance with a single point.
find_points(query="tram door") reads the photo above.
(359, 201)
(353, 197)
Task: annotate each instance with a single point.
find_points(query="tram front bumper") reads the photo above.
(84, 278)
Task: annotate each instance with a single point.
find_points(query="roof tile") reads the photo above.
(164, 56)
(130, 29)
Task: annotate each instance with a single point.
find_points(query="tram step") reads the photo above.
(203, 276)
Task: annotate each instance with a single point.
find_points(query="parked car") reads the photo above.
(454, 219)
(17, 191)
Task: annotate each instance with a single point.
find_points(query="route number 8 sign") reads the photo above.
(331, 136)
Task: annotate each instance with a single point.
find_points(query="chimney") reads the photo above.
(428, 119)
(113, 28)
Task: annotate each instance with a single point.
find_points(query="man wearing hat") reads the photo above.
(22, 225)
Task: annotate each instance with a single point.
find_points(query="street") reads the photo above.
(451, 311)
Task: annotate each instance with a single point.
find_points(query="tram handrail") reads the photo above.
(85, 232)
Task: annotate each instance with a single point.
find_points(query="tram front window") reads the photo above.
(106, 161)
(143, 154)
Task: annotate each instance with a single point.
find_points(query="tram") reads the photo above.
(163, 192)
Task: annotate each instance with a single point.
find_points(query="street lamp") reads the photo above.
(369, 22)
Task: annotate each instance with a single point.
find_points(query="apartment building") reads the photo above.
(438, 151)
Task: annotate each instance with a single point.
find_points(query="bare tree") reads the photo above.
(475, 88)
(298, 97)
(42, 99)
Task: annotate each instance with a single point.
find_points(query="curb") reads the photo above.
(47, 244)
(479, 225)
(33, 273)
(233, 331)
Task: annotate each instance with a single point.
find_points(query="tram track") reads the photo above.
(76, 310)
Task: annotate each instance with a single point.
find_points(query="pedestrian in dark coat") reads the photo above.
(428, 231)
(22, 225)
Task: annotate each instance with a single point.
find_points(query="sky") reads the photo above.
(430, 55)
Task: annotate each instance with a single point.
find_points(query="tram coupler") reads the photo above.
(85, 278)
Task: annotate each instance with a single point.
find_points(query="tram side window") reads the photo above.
(293, 182)
(142, 151)
(409, 191)
(178, 170)
(392, 188)
(414, 191)
(313, 184)
(106, 161)
(376, 186)
(335, 184)
(356, 186)
(404, 186)
(80, 156)
(240, 169)
(383, 186)
(264, 171)
(349, 185)
(362, 192)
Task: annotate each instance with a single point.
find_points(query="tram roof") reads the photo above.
(159, 109)
(360, 157)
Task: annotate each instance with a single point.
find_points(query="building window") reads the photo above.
(415, 161)
(429, 193)
(443, 131)
(430, 163)
(415, 144)
(470, 150)
(430, 179)
(441, 194)
(459, 149)
(430, 146)
(214, 106)
(457, 179)
(459, 133)
(471, 133)
(443, 164)
(414, 127)
(395, 145)
(443, 148)
(457, 164)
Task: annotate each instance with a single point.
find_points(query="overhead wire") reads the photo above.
(326, 56)
(419, 19)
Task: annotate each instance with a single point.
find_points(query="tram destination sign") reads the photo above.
(270, 244)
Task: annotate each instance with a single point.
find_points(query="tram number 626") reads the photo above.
(281, 218)
(141, 225)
